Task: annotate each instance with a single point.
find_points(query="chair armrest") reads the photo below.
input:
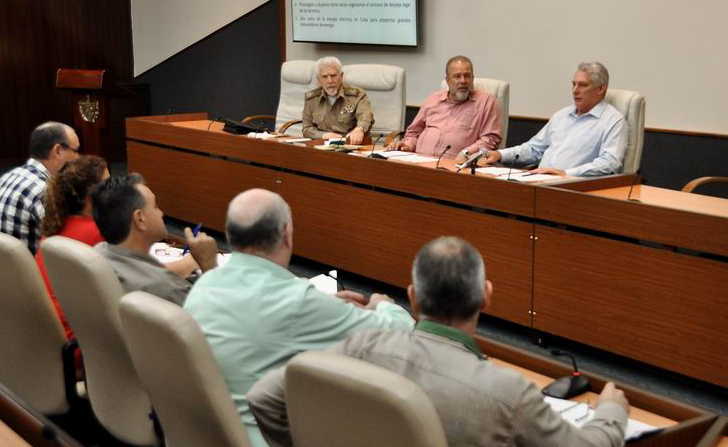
(284, 127)
(691, 185)
(250, 118)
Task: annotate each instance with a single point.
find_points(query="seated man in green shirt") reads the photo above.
(256, 314)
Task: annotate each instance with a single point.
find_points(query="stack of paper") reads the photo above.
(579, 413)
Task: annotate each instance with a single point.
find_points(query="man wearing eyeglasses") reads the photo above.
(52, 144)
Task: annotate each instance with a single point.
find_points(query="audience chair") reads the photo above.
(385, 87)
(632, 105)
(502, 92)
(177, 367)
(36, 361)
(335, 400)
(297, 77)
(89, 292)
(700, 181)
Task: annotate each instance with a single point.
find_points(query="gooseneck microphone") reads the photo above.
(437, 165)
(374, 145)
(510, 168)
(568, 386)
(637, 179)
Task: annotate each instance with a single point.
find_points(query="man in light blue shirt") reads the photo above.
(256, 314)
(586, 139)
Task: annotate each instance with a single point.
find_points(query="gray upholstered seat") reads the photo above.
(335, 400)
(32, 336)
(89, 292)
(632, 105)
(177, 367)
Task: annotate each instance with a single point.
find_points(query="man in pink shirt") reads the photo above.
(456, 121)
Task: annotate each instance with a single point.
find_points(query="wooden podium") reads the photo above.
(99, 108)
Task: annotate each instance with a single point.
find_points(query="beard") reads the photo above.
(460, 95)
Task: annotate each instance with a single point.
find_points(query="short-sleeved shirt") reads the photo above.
(350, 109)
(21, 202)
(143, 272)
(256, 315)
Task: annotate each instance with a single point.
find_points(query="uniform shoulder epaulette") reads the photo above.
(352, 91)
(313, 93)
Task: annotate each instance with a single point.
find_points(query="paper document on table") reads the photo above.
(416, 159)
(293, 140)
(392, 154)
(164, 253)
(325, 283)
(525, 176)
(261, 135)
(497, 171)
(579, 413)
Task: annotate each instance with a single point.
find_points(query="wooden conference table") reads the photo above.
(640, 278)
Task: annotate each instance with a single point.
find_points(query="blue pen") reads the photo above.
(195, 230)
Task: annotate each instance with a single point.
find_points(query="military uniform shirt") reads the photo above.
(351, 109)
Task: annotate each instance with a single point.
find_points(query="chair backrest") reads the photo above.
(32, 337)
(177, 367)
(385, 87)
(89, 292)
(297, 77)
(502, 92)
(335, 400)
(632, 105)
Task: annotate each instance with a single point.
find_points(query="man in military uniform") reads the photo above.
(335, 109)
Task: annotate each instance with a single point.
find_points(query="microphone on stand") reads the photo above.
(374, 145)
(472, 161)
(510, 168)
(568, 386)
(437, 165)
(638, 179)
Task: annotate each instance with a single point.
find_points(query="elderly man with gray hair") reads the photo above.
(588, 138)
(256, 314)
(335, 109)
(479, 403)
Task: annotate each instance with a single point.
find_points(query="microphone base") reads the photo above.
(567, 387)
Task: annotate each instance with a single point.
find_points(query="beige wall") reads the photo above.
(673, 52)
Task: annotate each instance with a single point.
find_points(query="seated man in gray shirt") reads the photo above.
(479, 403)
(126, 212)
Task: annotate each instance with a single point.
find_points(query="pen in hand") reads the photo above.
(195, 230)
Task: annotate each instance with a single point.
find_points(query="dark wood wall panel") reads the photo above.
(39, 36)
(632, 300)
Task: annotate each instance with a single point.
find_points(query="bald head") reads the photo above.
(257, 220)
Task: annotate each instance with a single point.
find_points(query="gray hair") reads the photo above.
(261, 226)
(448, 276)
(597, 72)
(458, 58)
(328, 61)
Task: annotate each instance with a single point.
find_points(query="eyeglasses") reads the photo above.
(74, 149)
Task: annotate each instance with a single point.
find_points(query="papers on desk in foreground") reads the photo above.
(579, 413)
(326, 283)
(409, 157)
(516, 174)
(164, 253)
